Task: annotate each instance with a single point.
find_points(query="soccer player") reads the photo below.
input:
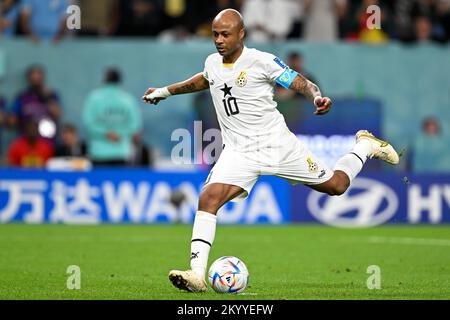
(255, 136)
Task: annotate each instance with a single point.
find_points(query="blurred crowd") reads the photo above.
(266, 20)
(111, 119)
(112, 123)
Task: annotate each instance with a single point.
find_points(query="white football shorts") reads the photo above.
(288, 158)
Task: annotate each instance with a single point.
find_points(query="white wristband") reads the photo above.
(315, 99)
(165, 92)
(160, 93)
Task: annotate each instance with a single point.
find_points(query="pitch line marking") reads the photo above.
(410, 241)
(247, 294)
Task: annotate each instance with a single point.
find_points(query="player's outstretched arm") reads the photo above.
(312, 93)
(193, 84)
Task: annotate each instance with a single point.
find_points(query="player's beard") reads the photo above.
(222, 51)
(226, 53)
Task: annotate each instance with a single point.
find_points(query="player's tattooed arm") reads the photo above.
(305, 87)
(194, 84)
(312, 92)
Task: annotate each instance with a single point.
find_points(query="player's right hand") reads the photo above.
(155, 95)
(146, 97)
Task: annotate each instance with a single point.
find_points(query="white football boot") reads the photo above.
(380, 149)
(187, 280)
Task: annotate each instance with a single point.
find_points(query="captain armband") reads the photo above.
(286, 78)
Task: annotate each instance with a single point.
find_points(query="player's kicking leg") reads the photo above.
(212, 197)
(367, 147)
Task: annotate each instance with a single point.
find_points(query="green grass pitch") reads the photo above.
(285, 262)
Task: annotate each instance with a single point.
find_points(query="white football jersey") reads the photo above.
(242, 94)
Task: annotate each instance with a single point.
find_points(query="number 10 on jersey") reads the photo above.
(231, 106)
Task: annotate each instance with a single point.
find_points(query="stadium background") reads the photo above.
(385, 81)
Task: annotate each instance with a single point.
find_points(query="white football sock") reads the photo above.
(353, 162)
(203, 234)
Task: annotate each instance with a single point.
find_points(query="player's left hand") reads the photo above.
(323, 105)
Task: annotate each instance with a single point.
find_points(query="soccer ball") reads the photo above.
(228, 275)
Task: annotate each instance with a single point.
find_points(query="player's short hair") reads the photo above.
(113, 75)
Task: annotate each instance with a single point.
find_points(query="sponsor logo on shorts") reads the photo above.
(322, 173)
